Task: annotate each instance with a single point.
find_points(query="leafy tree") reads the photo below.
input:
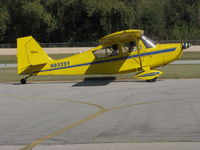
(36, 20)
(4, 21)
(151, 17)
(87, 20)
(183, 19)
(29, 18)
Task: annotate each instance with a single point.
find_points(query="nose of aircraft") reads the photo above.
(169, 57)
(183, 46)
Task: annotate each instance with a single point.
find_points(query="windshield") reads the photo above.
(148, 42)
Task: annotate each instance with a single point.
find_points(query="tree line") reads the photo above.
(88, 20)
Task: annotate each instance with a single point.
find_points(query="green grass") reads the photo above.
(4, 59)
(180, 71)
(7, 59)
(190, 56)
(170, 72)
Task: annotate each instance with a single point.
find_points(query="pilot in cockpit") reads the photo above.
(115, 50)
(131, 46)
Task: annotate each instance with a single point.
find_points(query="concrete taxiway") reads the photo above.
(99, 111)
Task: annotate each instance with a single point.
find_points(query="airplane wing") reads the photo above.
(121, 37)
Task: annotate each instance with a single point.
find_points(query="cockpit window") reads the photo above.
(107, 52)
(129, 47)
(148, 42)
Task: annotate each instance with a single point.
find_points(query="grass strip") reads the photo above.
(170, 72)
(190, 56)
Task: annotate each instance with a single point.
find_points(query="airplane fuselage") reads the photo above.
(87, 63)
(120, 52)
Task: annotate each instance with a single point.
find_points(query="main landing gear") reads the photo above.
(23, 80)
(148, 75)
(152, 80)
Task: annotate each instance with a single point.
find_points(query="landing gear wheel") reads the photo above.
(152, 80)
(23, 81)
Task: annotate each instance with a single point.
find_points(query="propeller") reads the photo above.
(186, 45)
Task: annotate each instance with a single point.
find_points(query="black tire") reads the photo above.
(23, 81)
(152, 80)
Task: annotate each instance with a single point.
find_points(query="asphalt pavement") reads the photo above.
(65, 114)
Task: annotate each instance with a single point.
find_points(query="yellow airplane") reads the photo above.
(120, 52)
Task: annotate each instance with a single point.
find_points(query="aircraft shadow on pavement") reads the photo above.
(89, 81)
(39, 82)
(95, 81)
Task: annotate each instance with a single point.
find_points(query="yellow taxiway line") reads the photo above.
(101, 111)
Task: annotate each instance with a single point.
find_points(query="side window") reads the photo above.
(129, 47)
(107, 52)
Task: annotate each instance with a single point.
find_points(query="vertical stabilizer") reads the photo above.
(29, 53)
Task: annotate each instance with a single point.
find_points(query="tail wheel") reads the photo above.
(23, 81)
(152, 80)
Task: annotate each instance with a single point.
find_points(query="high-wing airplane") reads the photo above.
(120, 52)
